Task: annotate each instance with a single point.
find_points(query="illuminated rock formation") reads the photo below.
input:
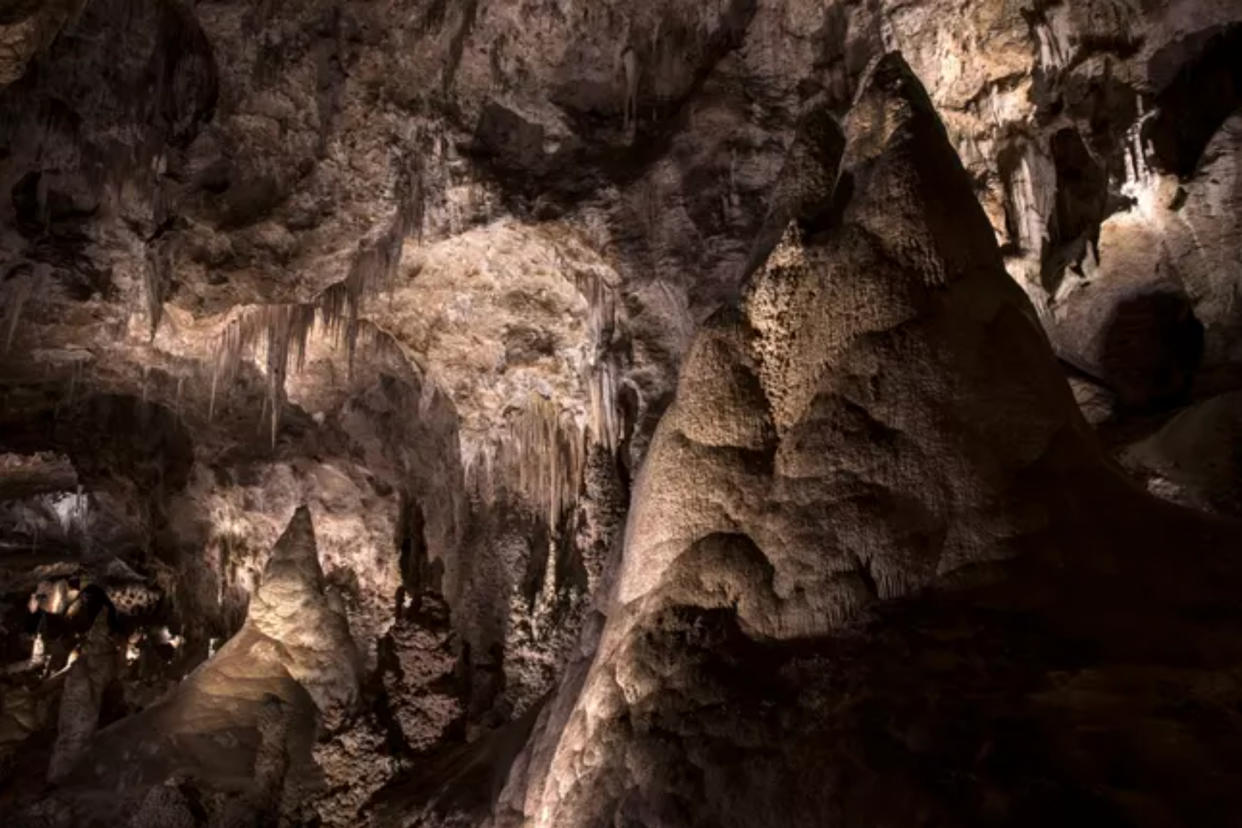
(619, 354)
(882, 421)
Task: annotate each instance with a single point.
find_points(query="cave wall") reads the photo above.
(477, 282)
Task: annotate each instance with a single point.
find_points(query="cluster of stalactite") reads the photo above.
(540, 459)
(272, 334)
(542, 451)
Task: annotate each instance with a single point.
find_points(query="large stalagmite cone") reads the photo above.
(882, 418)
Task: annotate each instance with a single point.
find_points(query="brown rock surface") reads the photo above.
(482, 284)
(882, 422)
(237, 724)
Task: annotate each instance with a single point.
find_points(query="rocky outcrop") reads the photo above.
(419, 676)
(875, 450)
(239, 723)
(88, 677)
(482, 284)
(1195, 458)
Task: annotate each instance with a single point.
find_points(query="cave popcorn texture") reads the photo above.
(760, 412)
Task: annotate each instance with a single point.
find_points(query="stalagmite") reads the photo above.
(85, 682)
(665, 470)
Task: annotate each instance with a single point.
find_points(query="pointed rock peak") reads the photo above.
(804, 190)
(892, 111)
(887, 84)
(292, 607)
(906, 187)
(905, 241)
(811, 165)
(299, 533)
(295, 558)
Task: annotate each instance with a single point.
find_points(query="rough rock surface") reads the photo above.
(236, 725)
(471, 287)
(881, 420)
(1195, 459)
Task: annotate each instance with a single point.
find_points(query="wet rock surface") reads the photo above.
(550, 413)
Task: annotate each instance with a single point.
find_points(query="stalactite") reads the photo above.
(273, 333)
(17, 292)
(15, 301)
(76, 372)
(602, 371)
(539, 459)
(1031, 192)
(629, 64)
(540, 456)
(1054, 51)
(544, 455)
(1135, 151)
(1026, 213)
(263, 407)
(155, 276)
(603, 395)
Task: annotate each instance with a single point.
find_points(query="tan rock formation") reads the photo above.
(480, 284)
(247, 716)
(881, 421)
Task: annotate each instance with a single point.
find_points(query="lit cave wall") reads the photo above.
(618, 413)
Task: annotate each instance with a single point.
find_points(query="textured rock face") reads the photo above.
(550, 412)
(239, 728)
(835, 407)
(881, 418)
(1194, 459)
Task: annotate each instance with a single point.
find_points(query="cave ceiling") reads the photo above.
(561, 413)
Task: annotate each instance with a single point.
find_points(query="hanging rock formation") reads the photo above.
(707, 413)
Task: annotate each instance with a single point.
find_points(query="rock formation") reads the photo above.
(881, 421)
(237, 724)
(760, 412)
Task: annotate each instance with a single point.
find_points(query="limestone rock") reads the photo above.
(88, 678)
(419, 676)
(247, 717)
(290, 607)
(1194, 459)
(886, 421)
(439, 271)
(164, 805)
